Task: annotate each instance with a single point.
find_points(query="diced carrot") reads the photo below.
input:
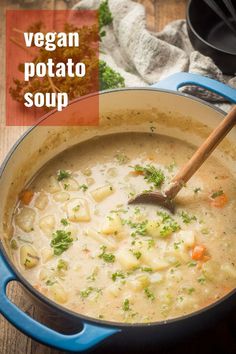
(136, 173)
(26, 196)
(198, 252)
(220, 201)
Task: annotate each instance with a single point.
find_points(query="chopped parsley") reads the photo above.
(105, 17)
(126, 305)
(149, 294)
(187, 219)
(84, 187)
(50, 282)
(151, 243)
(86, 292)
(62, 174)
(107, 257)
(118, 274)
(94, 274)
(201, 280)
(76, 208)
(62, 265)
(14, 245)
(196, 190)
(190, 291)
(64, 222)
(146, 269)
(140, 228)
(192, 264)
(61, 241)
(137, 254)
(151, 174)
(168, 224)
(177, 244)
(217, 194)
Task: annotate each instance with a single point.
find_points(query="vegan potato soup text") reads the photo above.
(77, 241)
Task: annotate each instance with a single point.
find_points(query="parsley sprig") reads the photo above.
(151, 174)
(106, 257)
(61, 241)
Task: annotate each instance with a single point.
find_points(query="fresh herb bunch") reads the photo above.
(108, 78)
(105, 17)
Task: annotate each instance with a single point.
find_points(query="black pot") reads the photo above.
(210, 36)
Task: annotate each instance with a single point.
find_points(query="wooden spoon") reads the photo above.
(165, 198)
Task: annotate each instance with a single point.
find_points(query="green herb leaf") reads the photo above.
(151, 174)
(168, 224)
(62, 174)
(62, 265)
(61, 241)
(108, 78)
(104, 18)
(84, 187)
(126, 305)
(187, 219)
(137, 254)
(149, 294)
(107, 257)
(217, 194)
(64, 222)
(118, 274)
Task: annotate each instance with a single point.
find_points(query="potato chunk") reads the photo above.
(78, 210)
(25, 219)
(58, 293)
(41, 201)
(102, 240)
(101, 193)
(139, 282)
(70, 184)
(152, 259)
(28, 256)
(46, 254)
(112, 225)
(53, 185)
(47, 224)
(127, 260)
(153, 228)
(61, 197)
(188, 237)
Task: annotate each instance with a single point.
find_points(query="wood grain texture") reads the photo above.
(158, 13)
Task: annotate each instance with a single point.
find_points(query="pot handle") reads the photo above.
(176, 81)
(87, 338)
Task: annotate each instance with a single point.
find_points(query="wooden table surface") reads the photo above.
(159, 13)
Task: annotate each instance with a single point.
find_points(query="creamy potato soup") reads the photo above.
(76, 239)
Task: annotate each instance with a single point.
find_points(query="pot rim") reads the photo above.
(83, 318)
(189, 22)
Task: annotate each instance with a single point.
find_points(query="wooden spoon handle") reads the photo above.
(202, 154)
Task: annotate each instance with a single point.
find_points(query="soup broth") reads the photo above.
(76, 239)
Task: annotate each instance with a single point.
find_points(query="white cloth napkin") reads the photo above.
(143, 57)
